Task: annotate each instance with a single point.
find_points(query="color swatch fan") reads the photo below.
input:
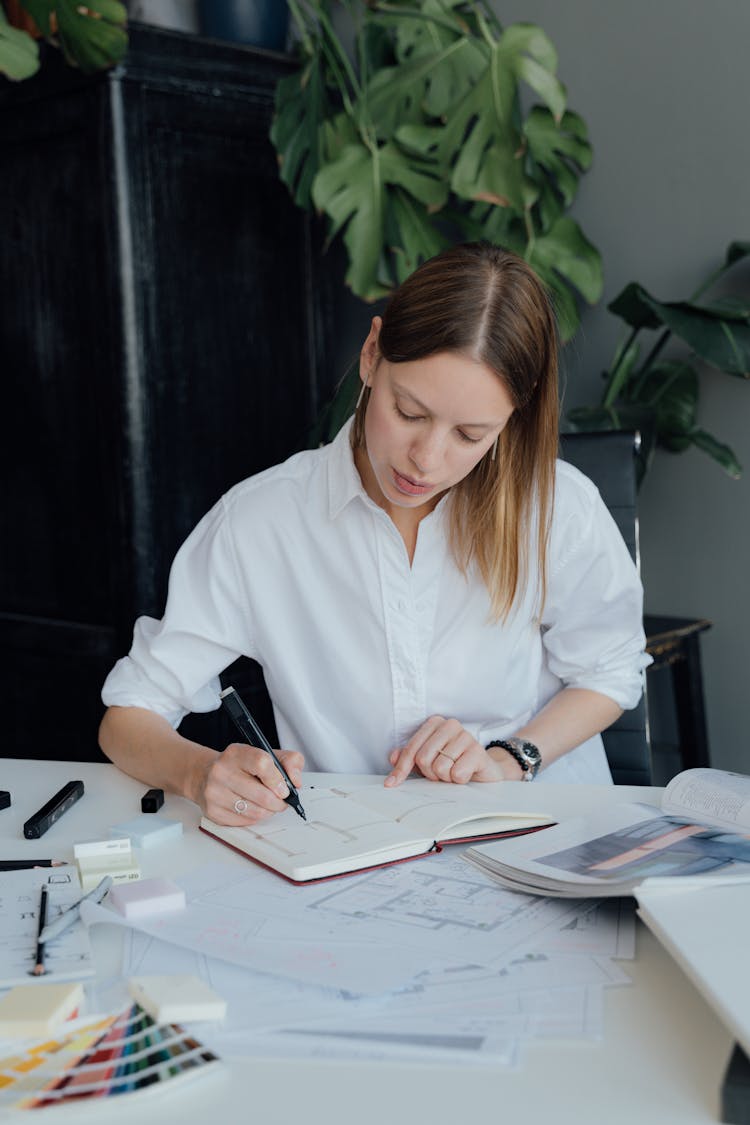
(124, 1053)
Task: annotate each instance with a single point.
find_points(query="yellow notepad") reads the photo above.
(32, 1010)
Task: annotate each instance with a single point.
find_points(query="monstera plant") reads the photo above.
(91, 36)
(434, 124)
(658, 395)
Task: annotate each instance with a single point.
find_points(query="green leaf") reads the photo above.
(736, 251)
(729, 307)
(562, 150)
(41, 12)
(92, 35)
(564, 304)
(565, 251)
(721, 453)
(19, 53)
(353, 191)
(297, 129)
(396, 95)
(435, 26)
(723, 342)
(414, 237)
(672, 389)
(633, 306)
(481, 139)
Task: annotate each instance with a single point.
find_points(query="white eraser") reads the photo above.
(148, 896)
(37, 1009)
(173, 999)
(86, 849)
(147, 830)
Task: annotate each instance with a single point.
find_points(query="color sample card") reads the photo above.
(124, 1053)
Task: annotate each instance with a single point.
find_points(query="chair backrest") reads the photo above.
(608, 459)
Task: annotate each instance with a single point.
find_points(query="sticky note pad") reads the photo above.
(106, 857)
(32, 1010)
(148, 830)
(173, 999)
(146, 897)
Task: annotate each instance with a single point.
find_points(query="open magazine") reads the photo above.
(700, 832)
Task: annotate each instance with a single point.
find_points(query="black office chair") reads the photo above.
(608, 459)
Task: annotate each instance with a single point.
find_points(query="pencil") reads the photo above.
(39, 969)
(22, 864)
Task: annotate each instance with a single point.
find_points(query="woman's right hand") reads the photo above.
(247, 773)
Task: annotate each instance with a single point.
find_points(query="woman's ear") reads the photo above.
(370, 354)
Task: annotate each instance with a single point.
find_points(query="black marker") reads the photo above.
(250, 730)
(38, 824)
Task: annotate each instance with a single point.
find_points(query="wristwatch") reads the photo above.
(525, 753)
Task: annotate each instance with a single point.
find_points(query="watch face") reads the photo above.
(527, 755)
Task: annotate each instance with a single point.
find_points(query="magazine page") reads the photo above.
(612, 852)
(715, 797)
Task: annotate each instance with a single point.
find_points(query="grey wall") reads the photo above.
(664, 86)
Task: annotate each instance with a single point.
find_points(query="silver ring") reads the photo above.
(240, 806)
(444, 755)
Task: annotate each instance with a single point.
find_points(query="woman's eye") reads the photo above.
(406, 417)
(465, 437)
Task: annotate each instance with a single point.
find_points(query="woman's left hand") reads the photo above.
(442, 750)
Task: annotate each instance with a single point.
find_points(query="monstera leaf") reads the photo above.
(297, 130)
(92, 35)
(19, 54)
(355, 191)
(420, 133)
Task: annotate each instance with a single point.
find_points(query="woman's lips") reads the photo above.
(410, 487)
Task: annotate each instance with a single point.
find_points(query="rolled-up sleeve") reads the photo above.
(593, 616)
(173, 665)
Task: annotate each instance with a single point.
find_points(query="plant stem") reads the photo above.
(459, 27)
(649, 361)
(614, 385)
(301, 25)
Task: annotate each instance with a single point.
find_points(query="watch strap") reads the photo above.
(524, 752)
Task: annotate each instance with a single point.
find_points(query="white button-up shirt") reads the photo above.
(299, 569)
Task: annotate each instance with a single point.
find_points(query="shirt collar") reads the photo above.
(344, 482)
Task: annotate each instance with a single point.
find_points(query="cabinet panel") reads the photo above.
(163, 327)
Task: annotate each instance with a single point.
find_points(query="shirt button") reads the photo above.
(401, 604)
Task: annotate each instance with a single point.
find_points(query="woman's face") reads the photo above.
(428, 423)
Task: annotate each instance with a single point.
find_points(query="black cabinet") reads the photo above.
(163, 320)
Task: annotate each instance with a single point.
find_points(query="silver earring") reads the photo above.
(361, 396)
(494, 449)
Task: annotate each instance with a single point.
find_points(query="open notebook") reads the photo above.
(354, 827)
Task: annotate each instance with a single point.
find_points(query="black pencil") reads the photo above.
(39, 969)
(22, 864)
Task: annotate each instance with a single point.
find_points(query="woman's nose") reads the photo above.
(425, 453)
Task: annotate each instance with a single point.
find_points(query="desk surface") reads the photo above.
(661, 1061)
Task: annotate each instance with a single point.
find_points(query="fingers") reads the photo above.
(243, 785)
(442, 750)
(437, 750)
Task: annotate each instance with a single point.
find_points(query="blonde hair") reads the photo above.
(488, 304)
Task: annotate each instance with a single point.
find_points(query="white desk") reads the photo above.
(661, 1061)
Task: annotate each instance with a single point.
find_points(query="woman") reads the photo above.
(430, 592)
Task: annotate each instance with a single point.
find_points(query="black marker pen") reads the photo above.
(248, 727)
(38, 824)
